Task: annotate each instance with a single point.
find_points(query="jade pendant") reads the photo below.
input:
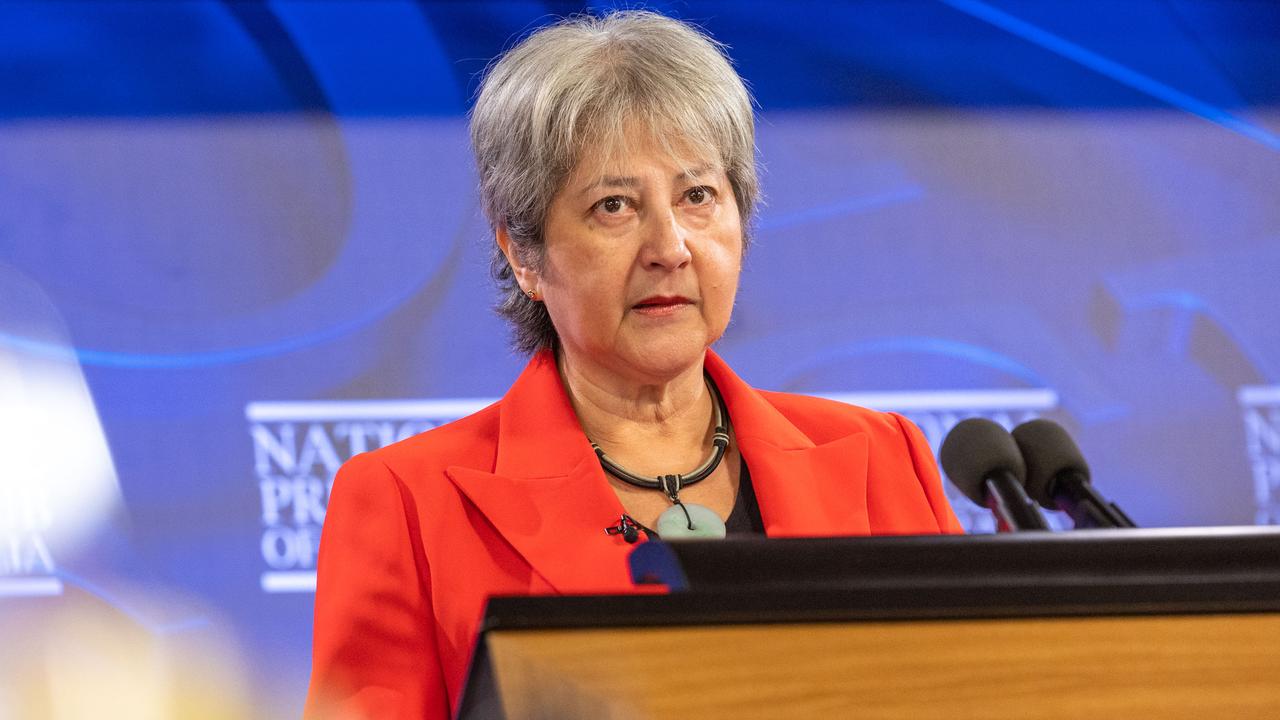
(674, 525)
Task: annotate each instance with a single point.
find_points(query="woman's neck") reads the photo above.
(650, 421)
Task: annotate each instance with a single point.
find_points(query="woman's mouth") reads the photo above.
(661, 305)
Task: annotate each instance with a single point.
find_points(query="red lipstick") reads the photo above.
(658, 305)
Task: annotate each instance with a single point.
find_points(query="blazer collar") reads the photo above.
(547, 494)
(804, 489)
(549, 498)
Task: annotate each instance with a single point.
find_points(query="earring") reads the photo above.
(533, 294)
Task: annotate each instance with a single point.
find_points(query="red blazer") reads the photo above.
(512, 500)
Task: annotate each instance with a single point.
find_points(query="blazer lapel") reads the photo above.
(547, 495)
(804, 489)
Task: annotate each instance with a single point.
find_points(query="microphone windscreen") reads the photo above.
(1048, 450)
(976, 449)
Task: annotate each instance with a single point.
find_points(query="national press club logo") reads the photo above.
(298, 447)
(1260, 406)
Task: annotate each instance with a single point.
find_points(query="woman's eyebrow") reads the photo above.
(694, 173)
(610, 181)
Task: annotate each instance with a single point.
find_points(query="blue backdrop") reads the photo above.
(241, 241)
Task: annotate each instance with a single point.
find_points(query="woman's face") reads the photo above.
(641, 264)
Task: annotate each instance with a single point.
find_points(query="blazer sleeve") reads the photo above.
(373, 649)
(926, 469)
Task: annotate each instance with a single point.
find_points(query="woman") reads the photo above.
(616, 159)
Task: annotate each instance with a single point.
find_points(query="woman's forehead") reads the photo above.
(628, 157)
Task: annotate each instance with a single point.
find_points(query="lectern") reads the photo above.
(1104, 623)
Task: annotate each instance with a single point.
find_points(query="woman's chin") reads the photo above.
(666, 356)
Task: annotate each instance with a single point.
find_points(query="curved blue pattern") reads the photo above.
(853, 206)
(163, 361)
(1114, 70)
(984, 357)
(1189, 304)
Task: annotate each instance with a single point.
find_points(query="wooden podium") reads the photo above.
(1106, 623)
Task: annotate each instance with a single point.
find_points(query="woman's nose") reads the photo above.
(666, 243)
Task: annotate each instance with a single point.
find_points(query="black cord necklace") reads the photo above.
(707, 523)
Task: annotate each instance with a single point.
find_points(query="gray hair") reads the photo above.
(584, 79)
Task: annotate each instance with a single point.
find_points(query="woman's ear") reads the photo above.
(525, 275)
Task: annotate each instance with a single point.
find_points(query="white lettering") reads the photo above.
(357, 435)
(310, 496)
(278, 548)
(24, 507)
(1262, 431)
(274, 453)
(26, 554)
(1266, 479)
(276, 494)
(413, 427)
(286, 548)
(37, 560)
(317, 448)
(307, 496)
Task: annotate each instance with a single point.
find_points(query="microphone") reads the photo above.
(630, 530)
(983, 461)
(1058, 476)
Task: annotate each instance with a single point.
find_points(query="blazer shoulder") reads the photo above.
(908, 491)
(470, 441)
(824, 420)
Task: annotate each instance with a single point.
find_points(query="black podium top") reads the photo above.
(1033, 574)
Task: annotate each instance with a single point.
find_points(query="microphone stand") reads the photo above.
(1009, 502)
(1074, 495)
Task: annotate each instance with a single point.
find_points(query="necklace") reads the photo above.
(683, 520)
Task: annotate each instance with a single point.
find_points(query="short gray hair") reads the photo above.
(582, 79)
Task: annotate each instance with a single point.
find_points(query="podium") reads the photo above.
(1103, 623)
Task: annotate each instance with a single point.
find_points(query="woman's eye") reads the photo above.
(612, 205)
(699, 195)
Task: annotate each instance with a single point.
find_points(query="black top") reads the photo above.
(744, 518)
(753, 580)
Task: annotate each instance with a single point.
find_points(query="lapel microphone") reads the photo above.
(629, 529)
